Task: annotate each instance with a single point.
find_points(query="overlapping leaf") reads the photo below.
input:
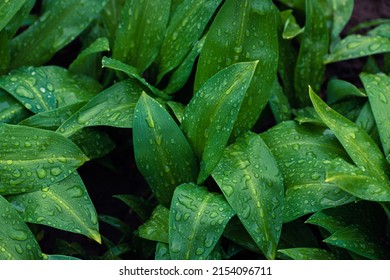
(157, 227)
(308, 254)
(8, 9)
(11, 110)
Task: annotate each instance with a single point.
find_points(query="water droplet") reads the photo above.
(150, 121)
(373, 47)
(228, 190)
(18, 235)
(55, 171)
(18, 249)
(9, 162)
(199, 251)
(41, 173)
(23, 92)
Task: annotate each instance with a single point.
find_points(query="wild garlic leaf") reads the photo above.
(357, 143)
(162, 153)
(64, 205)
(111, 107)
(17, 241)
(291, 28)
(250, 180)
(302, 153)
(185, 28)
(308, 254)
(339, 89)
(57, 27)
(354, 46)
(8, 9)
(378, 91)
(310, 69)
(11, 110)
(210, 116)
(197, 219)
(157, 227)
(32, 158)
(140, 32)
(243, 31)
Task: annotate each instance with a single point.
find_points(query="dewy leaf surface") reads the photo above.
(378, 91)
(32, 158)
(196, 221)
(250, 180)
(162, 153)
(57, 27)
(112, 107)
(11, 110)
(8, 9)
(308, 254)
(342, 11)
(157, 227)
(211, 114)
(140, 32)
(17, 241)
(64, 205)
(357, 143)
(243, 30)
(302, 153)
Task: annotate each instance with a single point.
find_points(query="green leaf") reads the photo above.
(59, 258)
(291, 28)
(184, 30)
(302, 153)
(139, 205)
(32, 158)
(279, 103)
(161, 151)
(382, 30)
(11, 110)
(357, 182)
(20, 18)
(177, 109)
(162, 251)
(112, 107)
(243, 31)
(64, 205)
(357, 143)
(5, 56)
(342, 12)
(117, 224)
(237, 233)
(378, 91)
(56, 28)
(156, 228)
(8, 9)
(339, 89)
(366, 119)
(250, 180)
(140, 32)
(308, 254)
(211, 114)
(309, 69)
(354, 46)
(196, 222)
(17, 241)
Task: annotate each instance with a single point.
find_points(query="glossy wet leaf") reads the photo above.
(112, 107)
(342, 12)
(366, 119)
(177, 109)
(162, 251)
(308, 254)
(243, 31)
(8, 9)
(157, 227)
(11, 110)
(54, 29)
(17, 241)
(354, 46)
(309, 69)
(162, 152)
(279, 103)
(18, 20)
(357, 143)
(291, 28)
(339, 89)
(32, 158)
(137, 204)
(302, 153)
(140, 32)
(378, 91)
(185, 28)
(64, 205)
(210, 116)
(250, 180)
(59, 258)
(197, 219)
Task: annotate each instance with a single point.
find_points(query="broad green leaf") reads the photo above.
(56, 28)
(32, 158)
(302, 153)
(140, 32)
(59, 258)
(308, 254)
(157, 227)
(17, 241)
(162, 251)
(382, 30)
(11, 110)
(357, 143)
(211, 114)
(354, 46)
(52, 119)
(87, 60)
(291, 28)
(184, 30)
(250, 180)
(112, 107)
(243, 31)
(8, 9)
(279, 103)
(64, 205)
(161, 151)
(342, 12)
(196, 222)
(139, 205)
(177, 109)
(357, 182)
(339, 89)
(309, 69)
(378, 91)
